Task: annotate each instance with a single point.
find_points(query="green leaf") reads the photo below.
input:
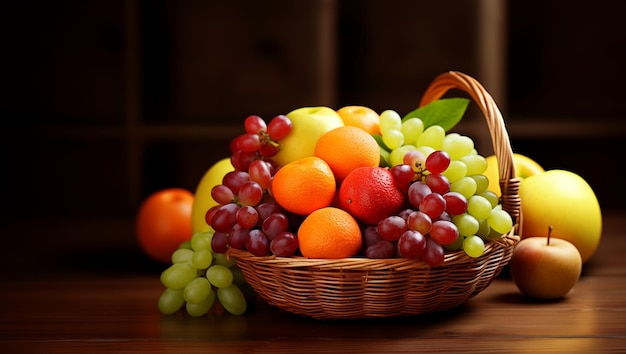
(384, 151)
(446, 112)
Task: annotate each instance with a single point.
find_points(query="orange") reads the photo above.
(329, 233)
(304, 185)
(163, 222)
(361, 117)
(346, 148)
(371, 194)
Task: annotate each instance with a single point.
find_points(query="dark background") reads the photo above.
(105, 102)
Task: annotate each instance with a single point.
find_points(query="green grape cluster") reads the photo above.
(199, 277)
(483, 218)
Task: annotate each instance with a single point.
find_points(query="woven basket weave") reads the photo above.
(352, 288)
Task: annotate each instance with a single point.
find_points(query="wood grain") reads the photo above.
(96, 311)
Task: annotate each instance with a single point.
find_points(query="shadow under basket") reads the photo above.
(354, 288)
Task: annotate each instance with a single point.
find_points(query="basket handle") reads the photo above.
(509, 183)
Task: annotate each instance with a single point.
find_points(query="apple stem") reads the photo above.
(549, 233)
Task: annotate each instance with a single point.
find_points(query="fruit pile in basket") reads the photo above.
(373, 202)
(322, 183)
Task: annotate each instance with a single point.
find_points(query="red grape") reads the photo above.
(266, 209)
(250, 142)
(279, 127)
(275, 224)
(419, 221)
(250, 193)
(417, 192)
(433, 205)
(254, 124)
(415, 159)
(238, 237)
(258, 244)
(370, 235)
(219, 242)
(268, 150)
(438, 161)
(247, 216)
(438, 183)
(403, 176)
(260, 172)
(411, 244)
(380, 250)
(241, 160)
(444, 232)
(391, 227)
(284, 244)
(434, 253)
(225, 217)
(456, 203)
(222, 194)
(235, 179)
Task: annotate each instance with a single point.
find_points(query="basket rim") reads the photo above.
(364, 263)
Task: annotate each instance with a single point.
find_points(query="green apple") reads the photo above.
(524, 168)
(203, 201)
(564, 200)
(545, 267)
(308, 125)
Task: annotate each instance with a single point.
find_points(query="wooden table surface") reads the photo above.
(112, 308)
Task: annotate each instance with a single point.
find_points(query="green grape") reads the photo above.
(197, 290)
(491, 197)
(479, 207)
(182, 255)
(232, 299)
(203, 307)
(432, 136)
(456, 245)
(464, 185)
(219, 275)
(389, 121)
(482, 182)
(412, 128)
(178, 275)
(202, 259)
(170, 301)
(201, 241)
(483, 229)
(457, 146)
(393, 139)
(476, 164)
(425, 150)
(238, 277)
(186, 245)
(500, 221)
(455, 171)
(396, 157)
(222, 259)
(474, 246)
(467, 224)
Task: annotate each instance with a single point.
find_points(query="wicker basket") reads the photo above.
(352, 288)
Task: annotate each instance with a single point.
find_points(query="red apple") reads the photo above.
(545, 267)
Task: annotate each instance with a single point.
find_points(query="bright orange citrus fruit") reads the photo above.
(304, 185)
(361, 117)
(371, 194)
(329, 233)
(346, 148)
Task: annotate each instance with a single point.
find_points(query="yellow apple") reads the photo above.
(308, 125)
(565, 201)
(545, 267)
(203, 201)
(524, 167)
